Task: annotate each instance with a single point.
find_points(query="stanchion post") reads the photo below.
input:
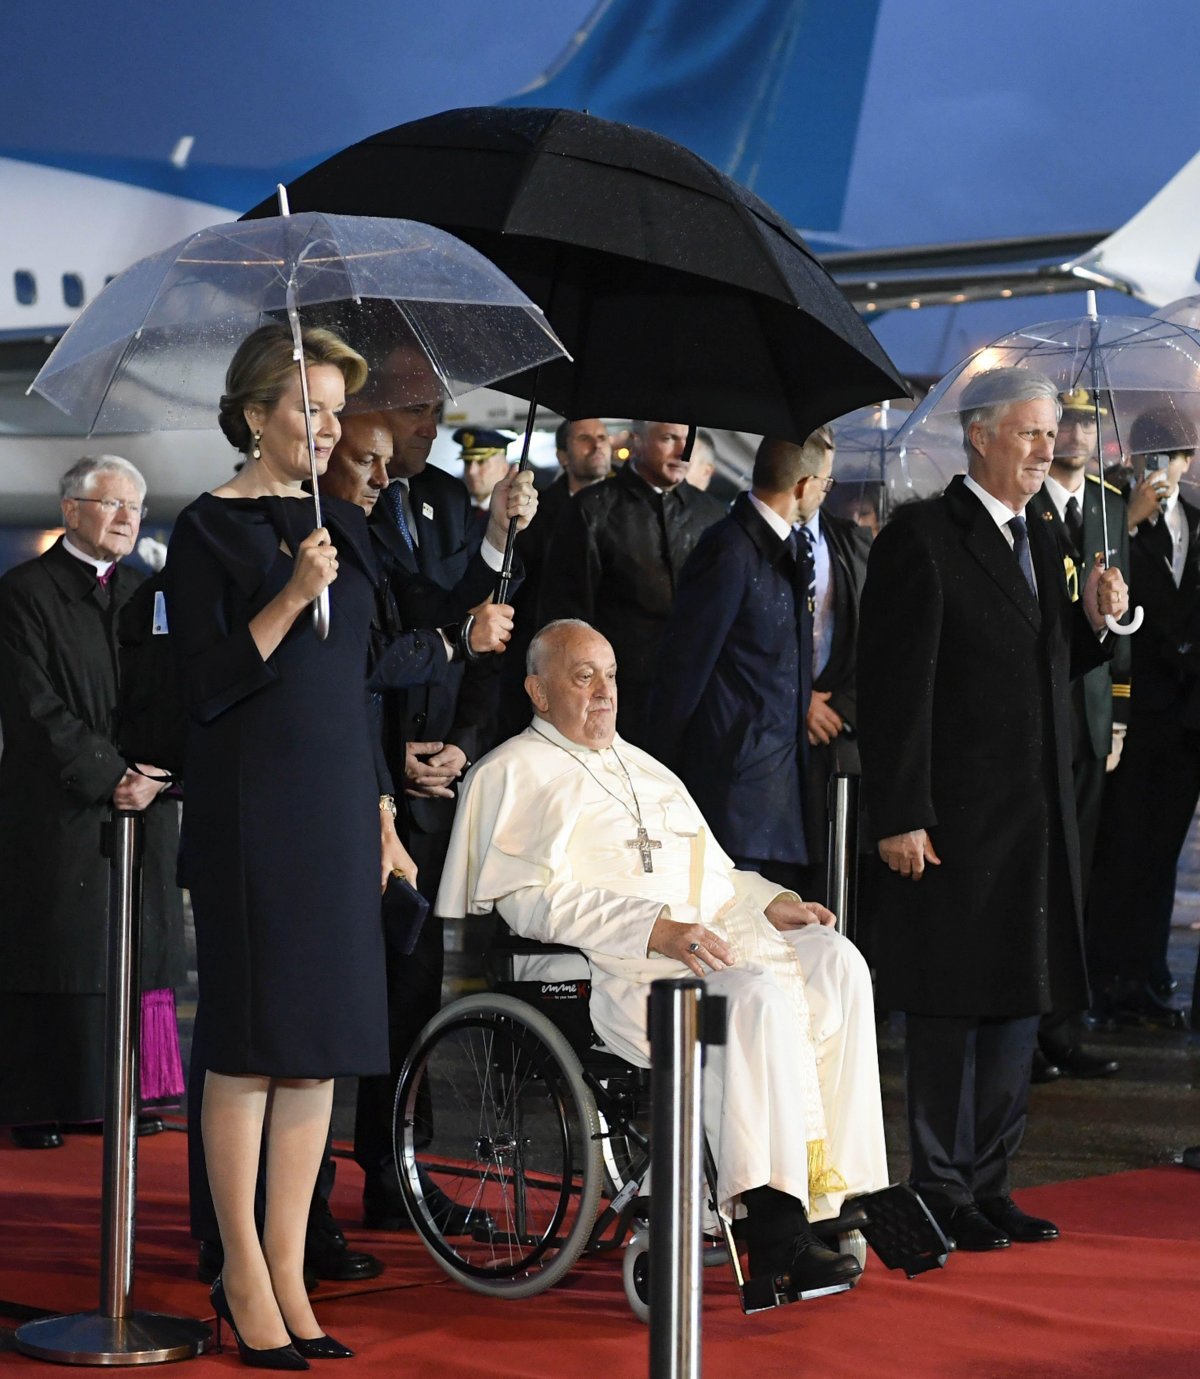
(842, 851)
(116, 1334)
(676, 1144)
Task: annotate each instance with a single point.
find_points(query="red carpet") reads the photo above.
(1116, 1298)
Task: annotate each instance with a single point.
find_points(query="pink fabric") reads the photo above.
(160, 1071)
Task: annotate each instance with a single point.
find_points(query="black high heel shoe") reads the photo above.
(320, 1348)
(275, 1357)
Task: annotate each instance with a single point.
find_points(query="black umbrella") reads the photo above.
(679, 293)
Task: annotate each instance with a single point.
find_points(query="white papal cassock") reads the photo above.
(543, 834)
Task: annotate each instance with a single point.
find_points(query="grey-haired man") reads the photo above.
(60, 771)
(968, 642)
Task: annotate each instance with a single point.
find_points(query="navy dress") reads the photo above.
(280, 844)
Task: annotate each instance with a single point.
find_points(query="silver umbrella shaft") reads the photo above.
(320, 612)
(1129, 628)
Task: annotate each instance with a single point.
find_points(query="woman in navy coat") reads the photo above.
(282, 826)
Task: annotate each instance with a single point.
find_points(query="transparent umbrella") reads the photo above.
(863, 439)
(150, 352)
(1141, 374)
(1183, 312)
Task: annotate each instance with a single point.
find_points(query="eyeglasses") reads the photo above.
(111, 505)
(826, 484)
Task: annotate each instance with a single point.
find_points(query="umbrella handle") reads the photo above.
(1130, 627)
(320, 615)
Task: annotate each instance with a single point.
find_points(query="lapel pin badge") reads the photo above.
(427, 511)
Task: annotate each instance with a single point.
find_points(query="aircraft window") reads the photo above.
(25, 285)
(72, 289)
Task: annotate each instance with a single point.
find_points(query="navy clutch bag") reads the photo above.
(404, 912)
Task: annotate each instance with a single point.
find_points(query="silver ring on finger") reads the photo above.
(693, 947)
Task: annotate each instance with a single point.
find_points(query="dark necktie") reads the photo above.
(103, 579)
(393, 498)
(808, 567)
(1073, 519)
(1020, 535)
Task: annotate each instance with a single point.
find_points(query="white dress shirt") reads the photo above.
(1176, 520)
(1060, 496)
(1001, 514)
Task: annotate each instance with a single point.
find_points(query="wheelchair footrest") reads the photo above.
(773, 1290)
(901, 1230)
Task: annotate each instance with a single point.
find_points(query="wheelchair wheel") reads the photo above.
(635, 1274)
(498, 1146)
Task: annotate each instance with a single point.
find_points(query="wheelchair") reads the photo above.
(522, 1143)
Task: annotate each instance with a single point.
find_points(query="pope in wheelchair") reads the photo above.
(577, 837)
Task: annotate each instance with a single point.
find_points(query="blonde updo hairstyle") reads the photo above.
(263, 367)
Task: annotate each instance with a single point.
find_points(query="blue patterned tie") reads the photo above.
(1020, 534)
(393, 497)
(808, 566)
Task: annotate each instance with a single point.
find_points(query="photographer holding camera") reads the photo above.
(1152, 794)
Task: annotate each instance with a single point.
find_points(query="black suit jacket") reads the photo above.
(964, 728)
(532, 545)
(1166, 648)
(728, 704)
(435, 585)
(614, 561)
(1093, 694)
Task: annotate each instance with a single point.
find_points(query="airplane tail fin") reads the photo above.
(794, 71)
(1156, 252)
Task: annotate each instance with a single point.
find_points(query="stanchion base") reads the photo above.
(88, 1338)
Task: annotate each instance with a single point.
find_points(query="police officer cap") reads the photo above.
(478, 442)
(1082, 400)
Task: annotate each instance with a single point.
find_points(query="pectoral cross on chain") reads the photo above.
(644, 843)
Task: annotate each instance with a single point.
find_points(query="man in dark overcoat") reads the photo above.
(615, 560)
(728, 707)
(1069, 503)
(1153, 793)
(60, 772)
(967, 645)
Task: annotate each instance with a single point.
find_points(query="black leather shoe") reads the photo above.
(809, 1264)
(1017, 1225)
(328, 1255)
(1191, 1157)
(1078, 1062)
(46, 1136)
(1044, 1069)
(970, 1230)
(211, 1260)
(1142, 1007)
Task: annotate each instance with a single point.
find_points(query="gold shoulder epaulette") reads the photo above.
(1112, 488)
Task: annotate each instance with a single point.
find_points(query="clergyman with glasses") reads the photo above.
(60, 772)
